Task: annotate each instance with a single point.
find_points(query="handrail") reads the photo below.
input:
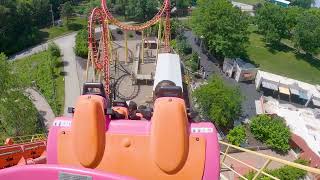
(260, 171)
(28, 138)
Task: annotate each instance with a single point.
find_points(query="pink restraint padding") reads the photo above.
(51, 172)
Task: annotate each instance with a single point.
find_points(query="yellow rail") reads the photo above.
(258, 171)
(28, 138)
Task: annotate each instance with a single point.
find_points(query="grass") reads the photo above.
(283, 61)
(186, 22)
(251, 2)
(44, 71)
(75, 24)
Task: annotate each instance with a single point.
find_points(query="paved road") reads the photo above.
(71, 79)
(248, 90)
(72, 84)
(42, 106)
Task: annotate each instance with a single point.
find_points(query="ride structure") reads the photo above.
(100, 50)
(99, 141)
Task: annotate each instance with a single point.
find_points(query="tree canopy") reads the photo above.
(272, 131)
(303, 3)
(237, 135)
(224, 27)
(20, 21)
(18, 116)
(66, 11)
(221, 103)
(307, 30)
(271, 20)
(81, 48)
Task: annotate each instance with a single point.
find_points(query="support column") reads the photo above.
(126, 46)
(159, 39)
(167, 30)
(142, 47)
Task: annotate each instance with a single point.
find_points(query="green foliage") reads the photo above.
(183, 46)
(284, 173)
(81, 48)
(18, 116)
(66, 12)
(6, 81)
(54, 50)
(224, 27)
(183, 4)
(130, 35)
(221, 103)
(302, 3)
(193, 62)
(20, 22)
(44, 71)
(139, 10)
(307, 30)
(237, 135)
(272, 131)
(271, 20)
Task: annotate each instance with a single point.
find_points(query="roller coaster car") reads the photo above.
(91, 145)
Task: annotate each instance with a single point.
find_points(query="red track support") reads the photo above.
(99, 16)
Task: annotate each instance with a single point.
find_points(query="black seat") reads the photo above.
(170, 91)
(91, 87)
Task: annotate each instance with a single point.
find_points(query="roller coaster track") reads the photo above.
(31, 149)
(100, 52)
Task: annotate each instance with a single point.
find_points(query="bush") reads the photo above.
(130, 35)
(183, 47)
(283, 173)
(193, 62)
(119, 31)
(221, 103)
(54, 50)
(237, 135)
(81, 48)
(272, 131)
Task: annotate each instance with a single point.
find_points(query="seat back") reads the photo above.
(88, 130)
(169, 136)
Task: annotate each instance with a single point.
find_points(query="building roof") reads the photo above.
(283, 1)
(244, 65)
(301, 121)
(307, 153)
(310, 89)
(168, 68)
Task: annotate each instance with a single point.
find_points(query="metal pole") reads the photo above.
(52, 15)
(159, 37)
(142, 47)
(126, 46)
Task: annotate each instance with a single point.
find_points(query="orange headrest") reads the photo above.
(169, 136)
(88, 130)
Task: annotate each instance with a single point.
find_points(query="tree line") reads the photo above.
(301, 26)
(21, 20)
(224, 28)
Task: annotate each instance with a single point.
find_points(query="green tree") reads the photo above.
(183, 4)
(237, 135)
(224, 28)
(18, 116)
(81, 48)
(141, 10)
(221, 103)
(66, 11)
(193, 61)
(272, 131)
(307, 30)
(271, 20)
(284, 173)
(303, 3)
(40, 12)
(292, 14)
